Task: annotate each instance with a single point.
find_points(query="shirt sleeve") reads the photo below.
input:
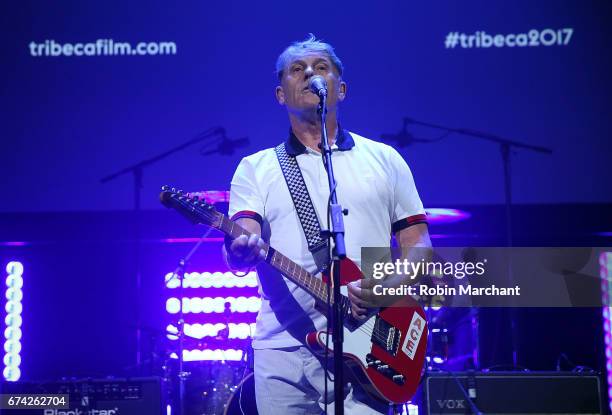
(245, 197)
(407, 206)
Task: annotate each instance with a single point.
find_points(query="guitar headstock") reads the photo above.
(194, 209)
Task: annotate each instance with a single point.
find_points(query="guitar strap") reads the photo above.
(317, 246)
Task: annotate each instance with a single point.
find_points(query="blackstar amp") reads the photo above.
(511, 393)
(113, 396)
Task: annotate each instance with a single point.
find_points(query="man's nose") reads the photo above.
(308, 72)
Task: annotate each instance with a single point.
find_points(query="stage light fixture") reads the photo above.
(13, 321)
(207, 305)
(605, 272)
(202, 330)
(208, 354)
(242, 303)
(211, 280)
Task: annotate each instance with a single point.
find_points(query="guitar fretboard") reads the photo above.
(316, 287)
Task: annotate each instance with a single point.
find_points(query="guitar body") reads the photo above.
(389, 366)
(384, 352)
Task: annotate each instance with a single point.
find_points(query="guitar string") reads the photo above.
(369, 328)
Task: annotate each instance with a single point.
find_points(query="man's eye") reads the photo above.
(296, 69)
(322, 67)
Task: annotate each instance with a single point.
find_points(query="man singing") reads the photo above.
(374, 184)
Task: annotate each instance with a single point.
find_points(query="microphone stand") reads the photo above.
(137, 171)
(179, 273)
(338, 253)
(505, 146)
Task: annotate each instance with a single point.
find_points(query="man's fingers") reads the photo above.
(368, 283)
(259, 249)
(248, 250)
(354, 288)
(356, 300)
(262, 254)
(244, 245)
(239, 244)
(249, 257)
(358, 312)
(255, 254)
(364, 297)
(253, 240)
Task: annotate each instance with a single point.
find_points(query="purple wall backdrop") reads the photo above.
(68, 121)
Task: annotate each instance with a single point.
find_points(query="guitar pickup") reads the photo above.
(372, 361)
(386, 336)
(385, 370)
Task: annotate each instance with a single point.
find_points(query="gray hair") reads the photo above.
(310, 45)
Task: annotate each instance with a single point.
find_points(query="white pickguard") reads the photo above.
(358, 342)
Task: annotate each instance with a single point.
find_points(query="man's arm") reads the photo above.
(243, 253)
(415, 236)
(415, 245)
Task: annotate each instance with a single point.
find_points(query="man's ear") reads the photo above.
(280, 95)
(341, 91)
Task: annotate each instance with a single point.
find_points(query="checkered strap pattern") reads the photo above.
(301, 200)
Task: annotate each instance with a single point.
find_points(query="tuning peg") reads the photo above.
(180, 192)
(195, 198)
(173, 190)
(165, 187)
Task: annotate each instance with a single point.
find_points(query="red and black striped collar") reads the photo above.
(294, 146)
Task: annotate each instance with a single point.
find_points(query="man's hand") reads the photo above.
(362, 297)
(245, 252)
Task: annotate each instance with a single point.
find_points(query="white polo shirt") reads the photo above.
(374, 183)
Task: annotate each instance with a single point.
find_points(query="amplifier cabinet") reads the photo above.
(112, 396)
(511, 393)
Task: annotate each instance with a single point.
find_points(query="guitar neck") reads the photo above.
(314, 286)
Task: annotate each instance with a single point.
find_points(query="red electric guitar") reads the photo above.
(385, 352)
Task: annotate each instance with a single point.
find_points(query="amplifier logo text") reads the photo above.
(451, 403)
(78, 411)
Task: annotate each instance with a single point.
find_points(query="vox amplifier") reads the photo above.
(511, 393)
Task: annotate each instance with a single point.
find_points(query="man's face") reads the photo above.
(293, 90)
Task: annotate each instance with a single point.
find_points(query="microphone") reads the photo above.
(318, 85)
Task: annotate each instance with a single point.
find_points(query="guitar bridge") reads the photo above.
(386, 336)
